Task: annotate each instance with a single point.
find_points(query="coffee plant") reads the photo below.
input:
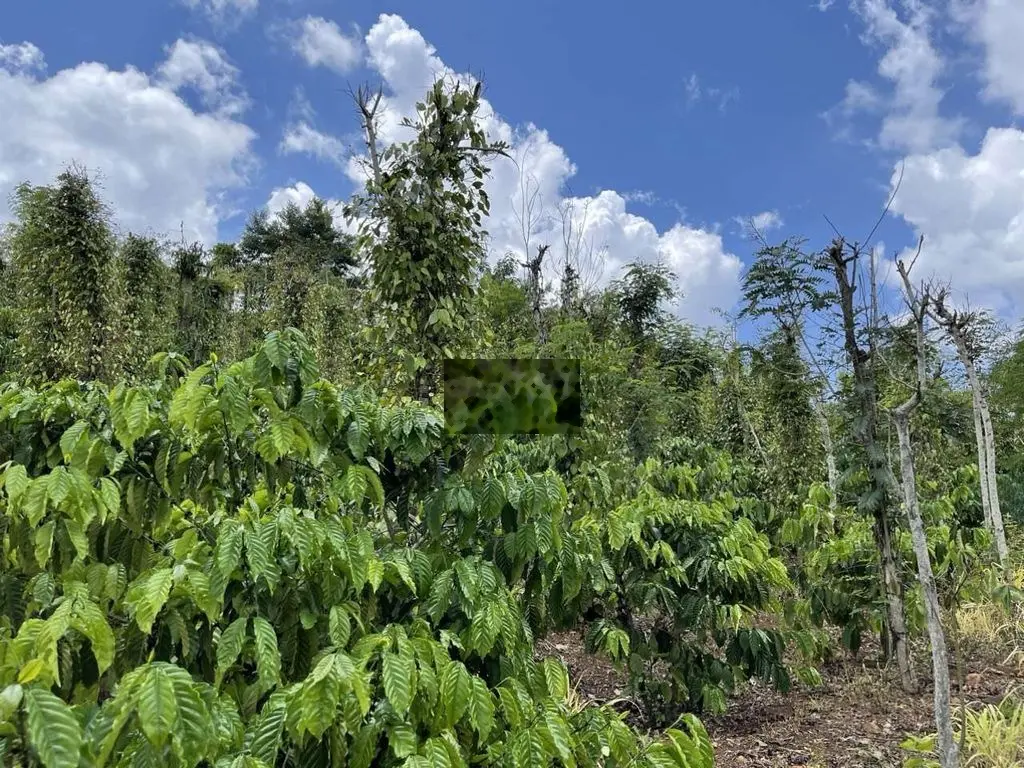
(197, 571)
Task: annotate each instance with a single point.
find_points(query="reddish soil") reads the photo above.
(857, 717)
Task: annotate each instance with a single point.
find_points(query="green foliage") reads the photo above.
(142, 283)
(205, 576)
(421, 228)
(61, 250)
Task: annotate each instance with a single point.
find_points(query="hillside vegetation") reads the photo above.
(237, 530)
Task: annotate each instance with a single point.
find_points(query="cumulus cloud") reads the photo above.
(913, 66)
(302, 138)
(162, 164)
(600, 224)
(968, 205)
(204, 67)
(971, 210)
(998, 25)
(321, 43)
(21, 57)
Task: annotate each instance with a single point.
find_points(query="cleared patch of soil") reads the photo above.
(857, 717)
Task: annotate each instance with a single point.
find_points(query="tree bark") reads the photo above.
(948, 750)
(993, 491)
(956, 326)
(948, 753)
(879, 469)
(830, 454)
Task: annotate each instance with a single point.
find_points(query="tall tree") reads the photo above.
(143, 282)
(201, 303)
(281, 257)
(421, 226)
(917, 302)
(61, 248)
(963, 329)
(859, 339)
(783, 285)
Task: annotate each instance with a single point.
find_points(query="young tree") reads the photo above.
(917, 302)
(61, 248)
(420, 224)
(783, 285)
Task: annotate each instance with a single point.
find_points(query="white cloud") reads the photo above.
(162, 165)
(21, 57)
(303, 138)
(999, 26)
(763, 222)
(695, 91)
(322, 44)
(708, 274)
(221, 10)
(911, 63)
(204, 67)
(970, 209)
(301, 193)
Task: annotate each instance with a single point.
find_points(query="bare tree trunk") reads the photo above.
(958, 325)
(879, 469)
(535, 288)
(991, 478)
(948, 751)
(979, 434)
(830, 454)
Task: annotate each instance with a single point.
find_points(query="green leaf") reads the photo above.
(15, 481)
(399, 677)
(44, 543)
(53, 730)
(558, 731)
(456, 686)
(268, 657)
(264, 740)
(157, 706)
(58, 485)
(556, 678)
(481, 708)
(339, 626)
(70, 439)
(110, 494)
(34, 500)
(228, 553)
(232, 640)
(91, 621)
(148, 595)
(403, 741)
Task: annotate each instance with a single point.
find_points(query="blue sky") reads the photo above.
(665, 122)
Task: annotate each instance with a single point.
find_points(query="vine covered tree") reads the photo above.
(62, 250)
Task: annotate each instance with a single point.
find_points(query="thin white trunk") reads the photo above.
(979, 435)
(830, 454)
(948, 750)
(986, 451)
(993, 491)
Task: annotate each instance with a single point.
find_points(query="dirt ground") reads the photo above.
(857, 717)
